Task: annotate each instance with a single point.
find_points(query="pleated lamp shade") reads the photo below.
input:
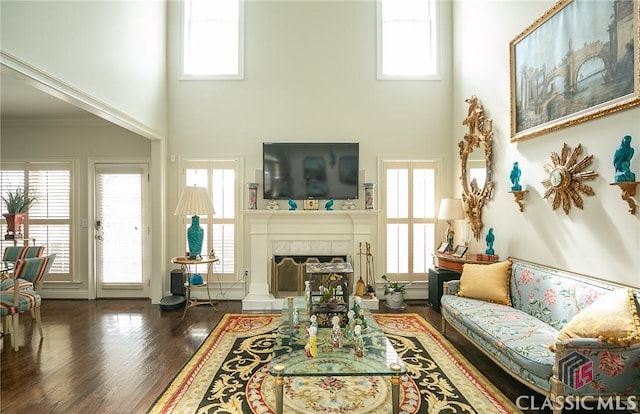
(194, 201)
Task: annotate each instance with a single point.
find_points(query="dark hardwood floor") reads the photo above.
(118, 355)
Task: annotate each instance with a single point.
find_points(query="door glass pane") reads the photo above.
(120, 214)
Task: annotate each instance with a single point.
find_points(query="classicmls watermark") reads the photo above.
(584, 403)
(576, 370)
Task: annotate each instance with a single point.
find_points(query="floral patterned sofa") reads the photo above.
(533, 341)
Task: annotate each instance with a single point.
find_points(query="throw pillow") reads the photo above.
(486, 282)
(612, 317)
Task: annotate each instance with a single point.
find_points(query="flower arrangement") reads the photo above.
(393, 286)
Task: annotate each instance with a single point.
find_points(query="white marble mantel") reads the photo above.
(300, 232)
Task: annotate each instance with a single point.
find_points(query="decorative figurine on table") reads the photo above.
(515, 177)
(489, 239)
(313, 322)
(307, 293)
(622, 161)
(336, 332)
(296, 318)
(357, 306)
(292, 205)
(351, 323)
(311, 348)
(358, 343)
(363, 320)
(329, 205)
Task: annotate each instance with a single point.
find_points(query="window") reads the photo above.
(407, 41)
(410, 220)
(219, 177)
(49, 221)
(212, 43)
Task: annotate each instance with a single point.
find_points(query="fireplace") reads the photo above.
(272, 233)
(288, 273)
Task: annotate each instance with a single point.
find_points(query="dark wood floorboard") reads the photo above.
(118, 355)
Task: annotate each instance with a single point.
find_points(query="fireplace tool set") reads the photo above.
(362, 287)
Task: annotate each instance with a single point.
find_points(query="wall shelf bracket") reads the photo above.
(519, 196)
(628, 191)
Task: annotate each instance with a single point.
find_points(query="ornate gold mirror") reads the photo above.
(475, 161)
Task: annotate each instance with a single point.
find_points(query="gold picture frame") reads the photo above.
(443, 247)
(460, 250)
(593, 69)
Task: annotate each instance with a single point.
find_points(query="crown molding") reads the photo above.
(74, 96)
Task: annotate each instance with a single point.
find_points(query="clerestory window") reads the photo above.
(407, 39)
(212, 39)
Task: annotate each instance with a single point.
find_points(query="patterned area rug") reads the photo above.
(229, 374)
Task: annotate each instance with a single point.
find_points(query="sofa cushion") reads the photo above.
(520, 337)
(486, 282)
(612, 317)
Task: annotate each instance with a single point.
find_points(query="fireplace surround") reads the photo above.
(271, 233)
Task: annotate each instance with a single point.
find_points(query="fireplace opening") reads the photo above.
(288, 273)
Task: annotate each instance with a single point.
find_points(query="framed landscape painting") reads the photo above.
(577, 62)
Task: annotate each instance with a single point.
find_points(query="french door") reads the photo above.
(122, 235)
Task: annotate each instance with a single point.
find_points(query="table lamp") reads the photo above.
(450, 209)
(194, 201)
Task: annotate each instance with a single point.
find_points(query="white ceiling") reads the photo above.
(21, 100)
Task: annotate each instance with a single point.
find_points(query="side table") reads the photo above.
(437, 277)
(189, 266)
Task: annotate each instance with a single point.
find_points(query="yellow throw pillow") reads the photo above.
(612, 317)
(486, 282)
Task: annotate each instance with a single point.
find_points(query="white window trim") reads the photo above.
(194, 162)
(72, 276)
(436, 76)
(384, 164)
(239, 75)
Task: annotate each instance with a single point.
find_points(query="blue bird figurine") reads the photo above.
(292, 205)
(329, 204)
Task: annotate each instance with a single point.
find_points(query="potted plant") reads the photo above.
(17, 205)
(394, 293)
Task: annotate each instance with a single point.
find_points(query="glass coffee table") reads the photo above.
(289, 358)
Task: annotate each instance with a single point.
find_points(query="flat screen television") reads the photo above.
(310, 170)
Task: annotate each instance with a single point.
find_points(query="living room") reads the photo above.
(310, 75)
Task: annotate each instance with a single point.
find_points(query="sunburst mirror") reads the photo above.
(565, 177)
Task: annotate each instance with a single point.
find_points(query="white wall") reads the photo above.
(113, 51)
(310, 76)
(603, 239)
(42, 141)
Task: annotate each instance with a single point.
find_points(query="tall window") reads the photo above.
(219, 177)
(49, 219)
(411, 219)
(213, 43)
(407, 41)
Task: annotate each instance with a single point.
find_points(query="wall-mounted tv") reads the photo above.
(310, 170)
